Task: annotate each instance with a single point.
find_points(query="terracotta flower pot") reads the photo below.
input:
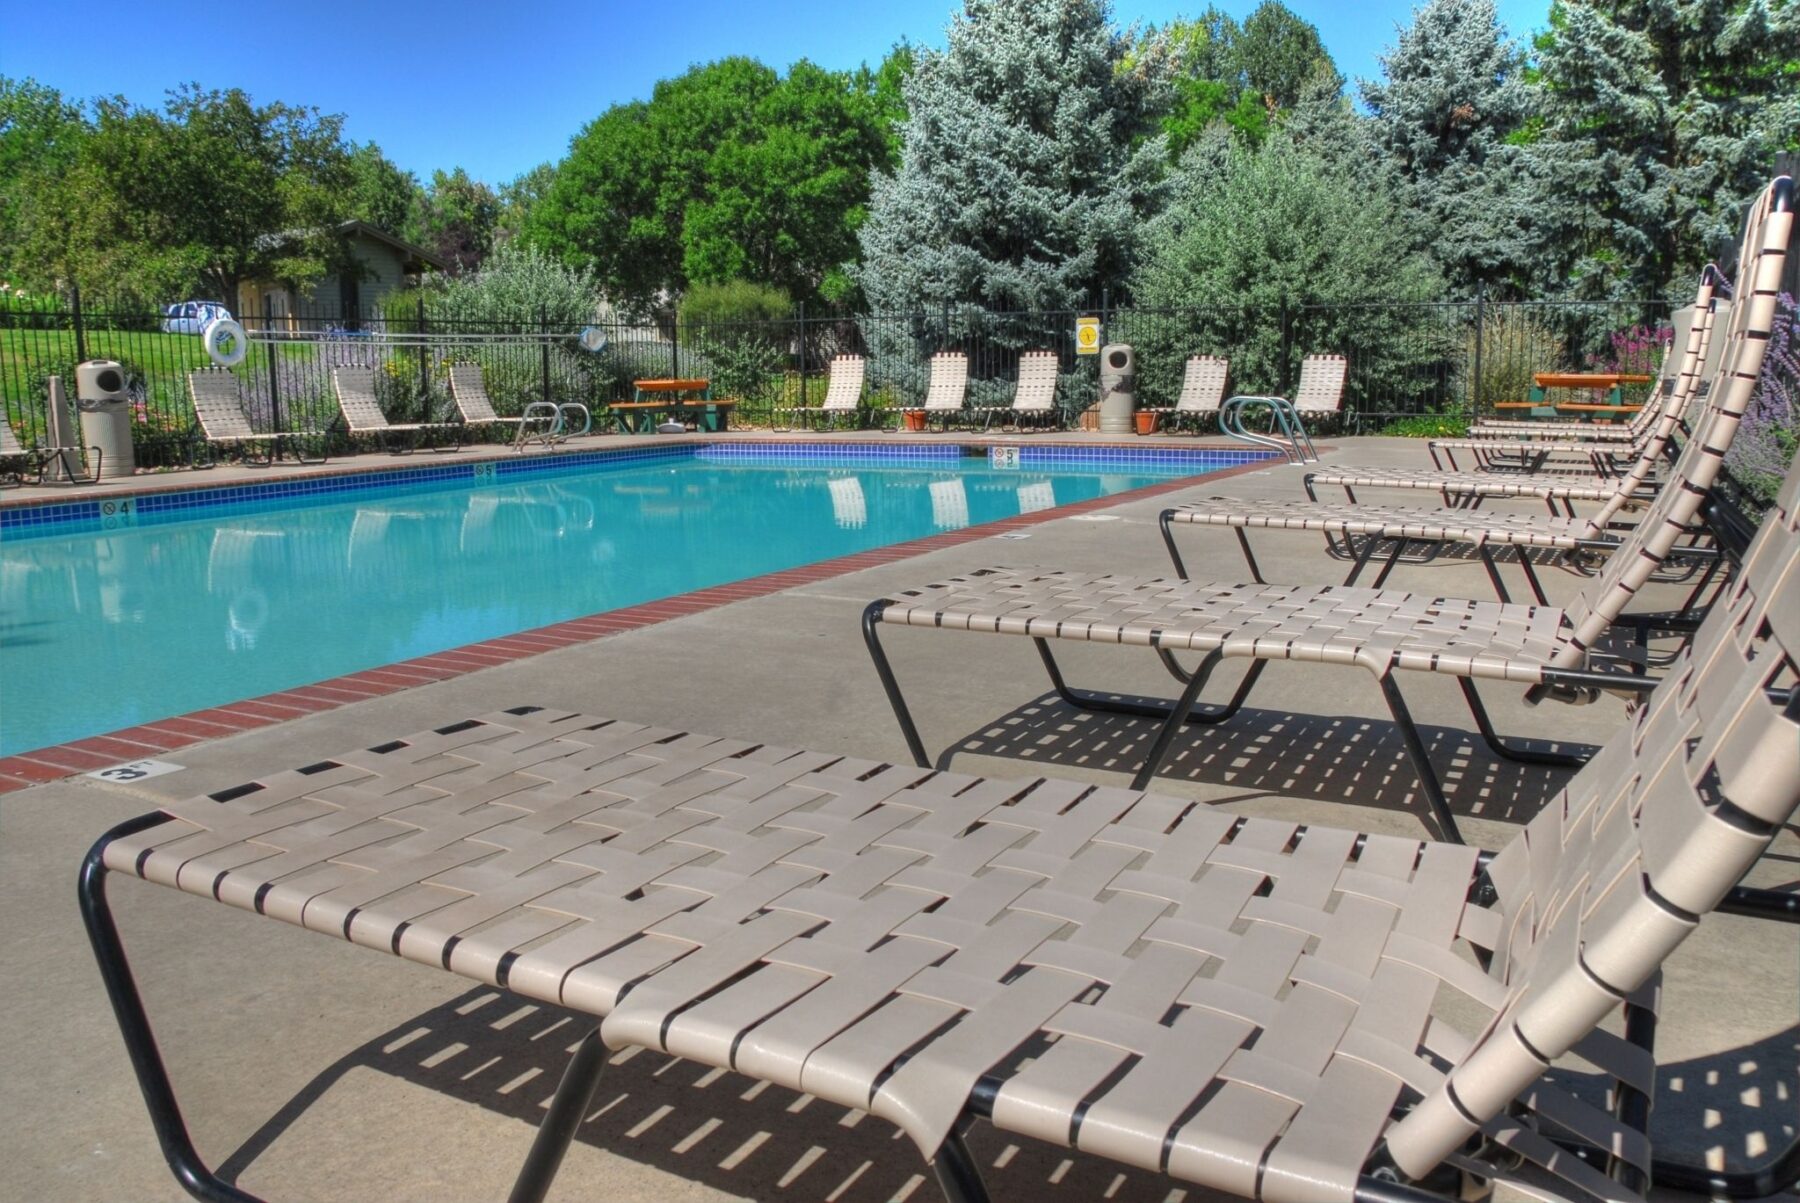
(914, 418)
(1147, 423)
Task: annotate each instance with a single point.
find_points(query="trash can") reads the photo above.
(1118, 388)
(105, 415)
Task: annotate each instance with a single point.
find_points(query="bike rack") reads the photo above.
(1294, 442)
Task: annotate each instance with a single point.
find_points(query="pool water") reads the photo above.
(100, 631)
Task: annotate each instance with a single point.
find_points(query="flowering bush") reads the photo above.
(1639, 351)
(1765, 442)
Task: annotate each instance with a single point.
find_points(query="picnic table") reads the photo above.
(1612, 383)
(680, 399)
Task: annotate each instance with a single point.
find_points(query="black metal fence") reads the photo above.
(1406, 358)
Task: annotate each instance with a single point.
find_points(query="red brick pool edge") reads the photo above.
(165, 735)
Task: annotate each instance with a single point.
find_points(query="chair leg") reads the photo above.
(890, 686)
(956, 1172)
(134, 1025)
(574, 1095)
(1421, 760)
(1504, 750)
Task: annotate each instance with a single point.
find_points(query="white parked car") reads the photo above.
(193, 317)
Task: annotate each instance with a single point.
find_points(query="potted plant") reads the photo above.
(914, 418)
(1147, 422)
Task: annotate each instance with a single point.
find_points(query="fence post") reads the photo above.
(675, 347)
(80, 329)
(544, 347)
(1480, 338)
(424, 365)
(1287, 341)
(273, 352)
(802, 325)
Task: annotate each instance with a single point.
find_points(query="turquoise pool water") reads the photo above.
(101, 630)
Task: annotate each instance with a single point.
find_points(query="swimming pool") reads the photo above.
(176, 602)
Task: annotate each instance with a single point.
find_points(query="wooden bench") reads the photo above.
(680, 399)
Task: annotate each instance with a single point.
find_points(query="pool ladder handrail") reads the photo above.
(1294, 442)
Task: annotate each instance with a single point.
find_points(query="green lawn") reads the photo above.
(27, 356)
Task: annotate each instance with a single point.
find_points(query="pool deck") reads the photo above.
(314, 1069)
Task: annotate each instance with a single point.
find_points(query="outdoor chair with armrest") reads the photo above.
(542, 421)
(219, 411)
(1556, 653)
(1401, 526)
(1202, 392)
(355, 388)
(1282, 1011)
(1034, 394)
(843, 393)
(37, 459)
(947, 390)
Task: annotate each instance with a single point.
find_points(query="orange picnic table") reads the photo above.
(678, 398)
(1612, 383)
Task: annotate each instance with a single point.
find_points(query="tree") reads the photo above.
(455, 216)
(1452, 94)
(1659, 119)
(1019, 185)
(380, 193)
(519, 197)
(1250, 229)
(1244, 77)
(199, 196)
(40, 140)
(729, 171)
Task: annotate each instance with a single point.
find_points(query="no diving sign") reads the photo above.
(1087, 336)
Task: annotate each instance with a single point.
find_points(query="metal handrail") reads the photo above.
(1294, 442)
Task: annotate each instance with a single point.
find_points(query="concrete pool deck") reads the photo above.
(312, 1069)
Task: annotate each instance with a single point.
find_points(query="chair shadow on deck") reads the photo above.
(1326, 758)
(704, 1125)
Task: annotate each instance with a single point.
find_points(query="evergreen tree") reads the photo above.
(1451, 96)
(1018, 187)
(1660, 119)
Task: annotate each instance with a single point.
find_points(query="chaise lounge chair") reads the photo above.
(1202, 392)
(1034, 396)
(843, 393)
(1286, 1012)
(355, 388)
(542, 421)
(1402, 525)
(1554, 652)
(947, 390)
(219, 410)
(37, 459)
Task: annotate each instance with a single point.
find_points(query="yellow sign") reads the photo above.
(1087, 336)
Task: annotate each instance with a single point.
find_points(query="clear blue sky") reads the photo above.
(499, 88)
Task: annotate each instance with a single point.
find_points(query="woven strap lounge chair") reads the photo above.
(1560, 653)
(843, 393)
(1402, 525)
(1291, 1013)
(1202, 392)
(219, 411)
(38, 459)
(1034, 396)
(542, 422)
(948, 389)
(355, 388)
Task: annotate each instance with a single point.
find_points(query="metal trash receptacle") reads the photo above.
(105, 407)
(1118, 388)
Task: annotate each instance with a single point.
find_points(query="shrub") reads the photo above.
(1765, 442)
(739, 329)
(1513, 346)
(1428, 426)
(734, 301)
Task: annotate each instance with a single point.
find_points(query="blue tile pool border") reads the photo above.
(52, 517)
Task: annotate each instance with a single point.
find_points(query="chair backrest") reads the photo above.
(1036, 392)
(1203, 384)
(949, 381)
(472, 400)
(1677, 504)
(217, 404)
(846, 382)
(355, 387)
(10, 446)
(1604, 883)
(1321, 388)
